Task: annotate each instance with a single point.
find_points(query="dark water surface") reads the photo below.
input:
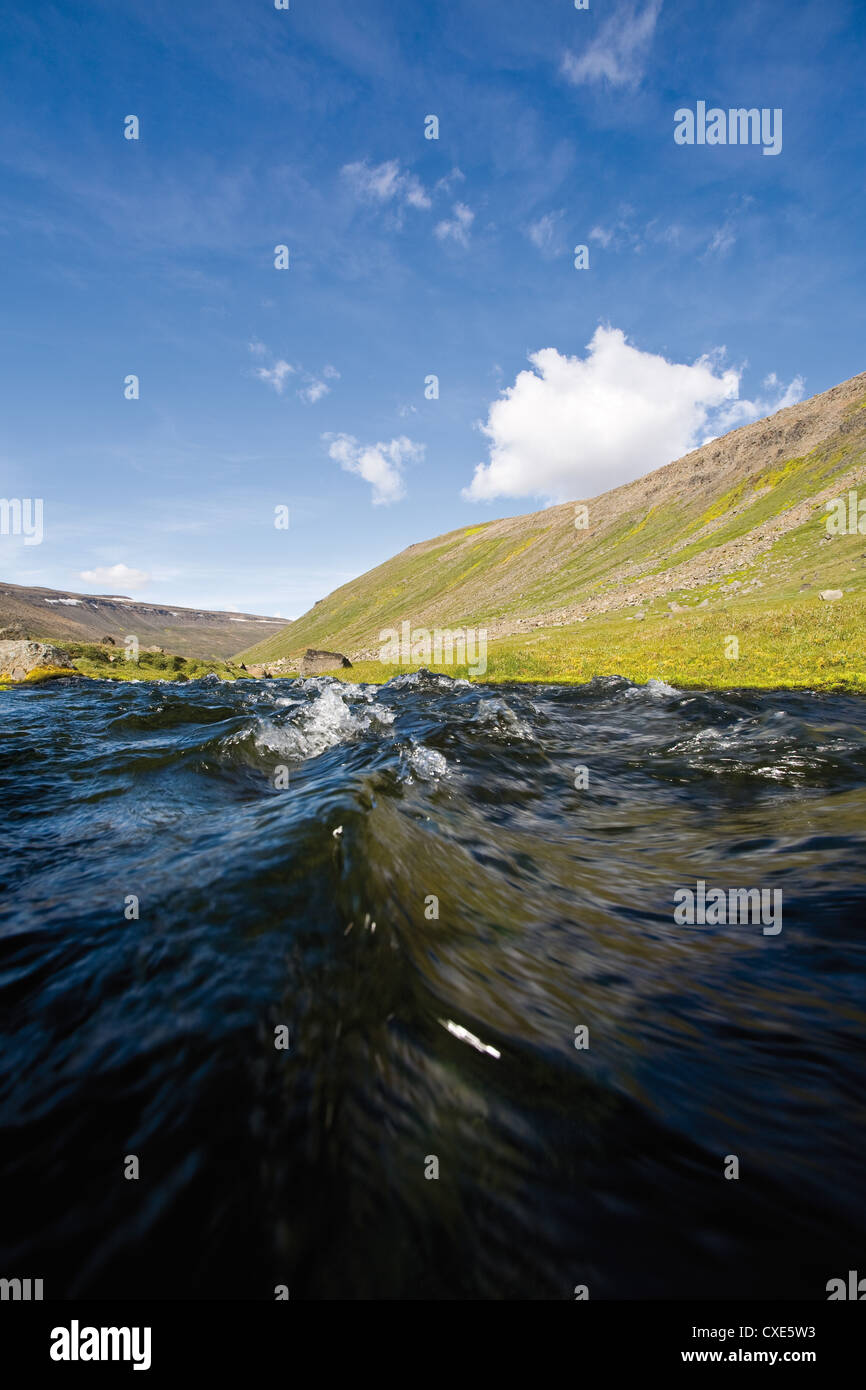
(451, 1038)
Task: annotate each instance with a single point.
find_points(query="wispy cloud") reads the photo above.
(722, 240)
(386, 183)
(457, 228)
(546, 234)
(314, 391)
(315, 385)
(116, 577)
(276, 375)
(602, 234)
(449, 182)
(777, 396)
(381, 465)
(725, 235)
(627, 232)
(620, 52)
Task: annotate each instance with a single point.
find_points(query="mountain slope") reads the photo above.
(745, 511)
(58, 615)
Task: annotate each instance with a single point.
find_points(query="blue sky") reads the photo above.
(721, 282)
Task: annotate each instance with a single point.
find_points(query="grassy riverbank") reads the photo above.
(106, 663)
(799, 645)
(805, 644)
(99, 661)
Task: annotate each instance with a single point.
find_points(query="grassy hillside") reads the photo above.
(61, 617)
(738, 526)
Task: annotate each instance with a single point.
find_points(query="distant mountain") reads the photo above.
(57, 615)
(745, 512)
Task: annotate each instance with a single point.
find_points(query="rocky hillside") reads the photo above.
(56, 615)
(744, 513)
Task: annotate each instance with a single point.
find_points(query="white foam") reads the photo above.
(497, 714)
(323, 724)
(655, 689)
(410, 679)
(427, 762)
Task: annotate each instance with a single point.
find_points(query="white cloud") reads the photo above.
(602, 234)
(276, 375)
(737, 412)
(379, 184)
(627, 232)
(317, 387)
(446, 184)
(381, 465)
(415, 193)
(546, 234)
(721, 241)
(383, 183)
(314, 391)
(574, 427)
(725, 234)
(457, 229)
(624, 233)
(314, 387)
(620, 52)
(117, 578)
(670, 235)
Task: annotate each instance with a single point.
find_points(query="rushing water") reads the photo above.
(414, 1037)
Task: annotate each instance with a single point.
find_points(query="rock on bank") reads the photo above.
(21, 661)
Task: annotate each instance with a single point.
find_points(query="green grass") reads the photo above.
(799, 643)
(807, 644)
(94, 660)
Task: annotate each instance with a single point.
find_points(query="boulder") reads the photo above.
(18, 660)
(829, 594)
(315, 662)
